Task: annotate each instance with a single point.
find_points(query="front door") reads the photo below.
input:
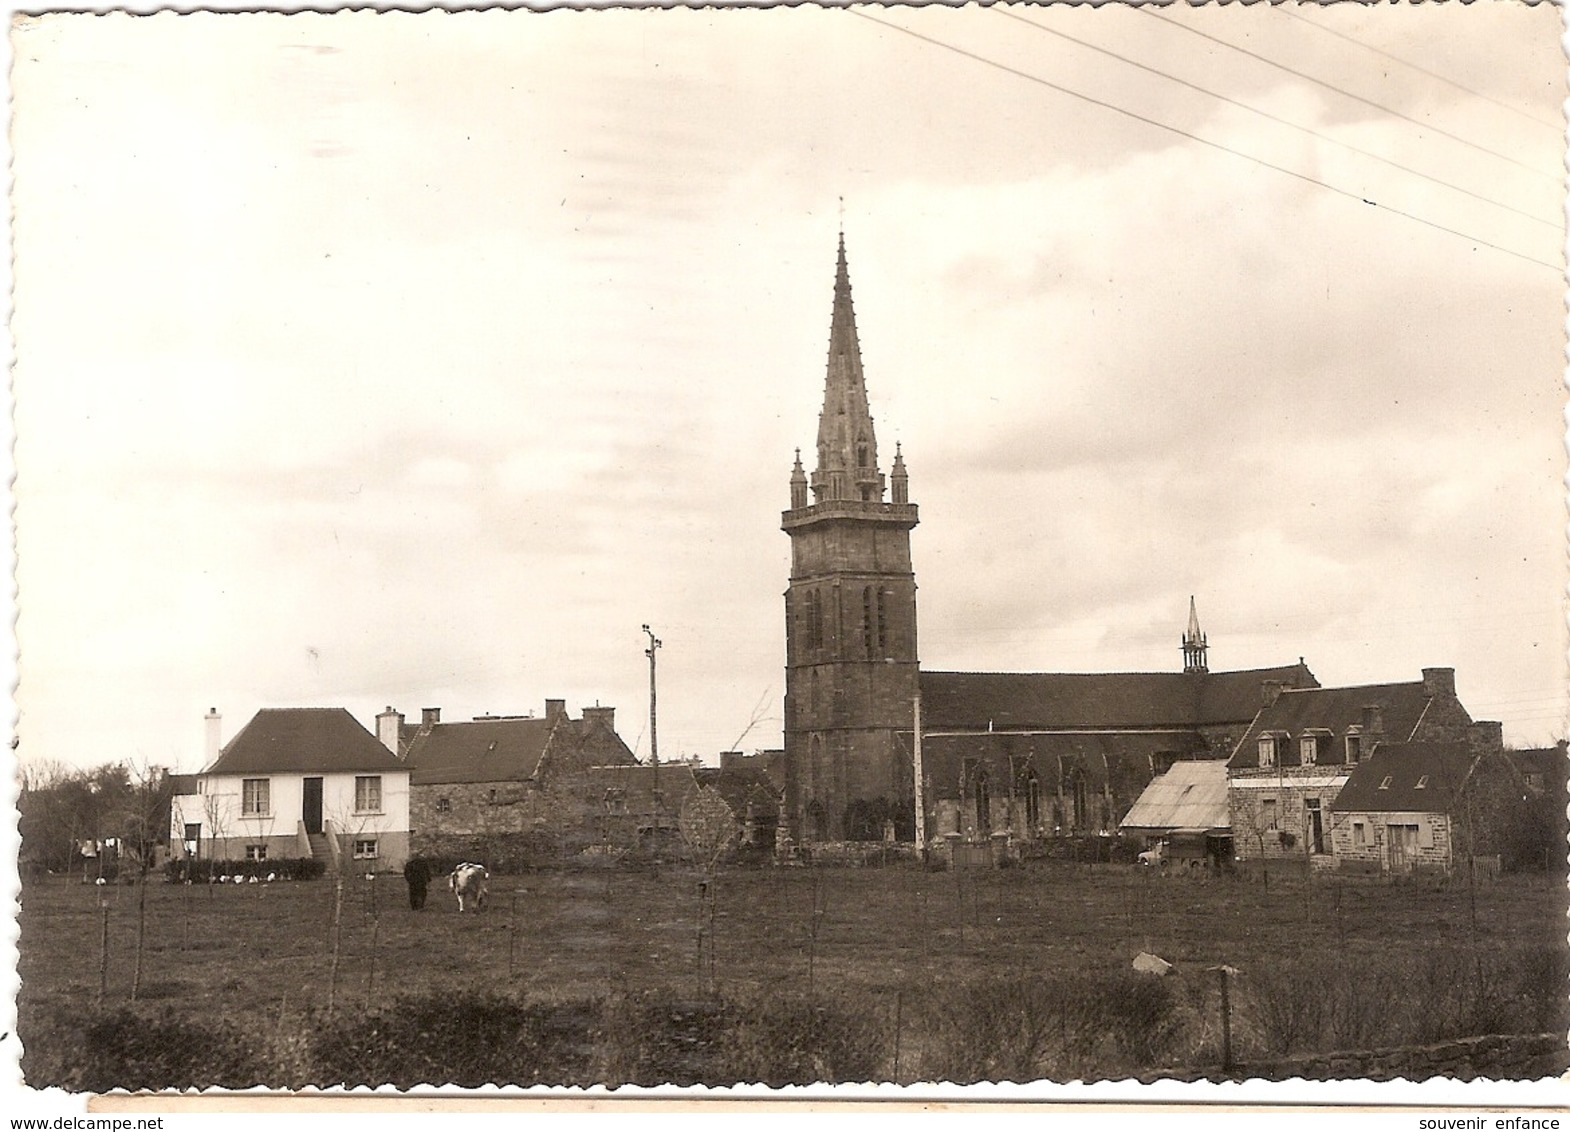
(1401, 840)
(312, 808)
(1316, 827)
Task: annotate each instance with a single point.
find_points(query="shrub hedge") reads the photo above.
(203, 871)
(1086, 1024)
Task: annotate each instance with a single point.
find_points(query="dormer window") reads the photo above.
(1422, 783)
(1308, 750)
(1354, 749)
(1385, 785)
(1267, 751)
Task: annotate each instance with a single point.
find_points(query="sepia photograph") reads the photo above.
(833, 546)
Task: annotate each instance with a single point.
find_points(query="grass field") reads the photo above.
(844, 935)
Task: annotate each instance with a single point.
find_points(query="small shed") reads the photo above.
(1186, 808)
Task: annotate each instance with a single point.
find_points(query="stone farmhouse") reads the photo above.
(1303, 746)
(499, 777)
(1431, 804)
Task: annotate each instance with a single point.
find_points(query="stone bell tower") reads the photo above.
(850, 616)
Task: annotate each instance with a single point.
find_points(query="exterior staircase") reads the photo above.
(321, 850)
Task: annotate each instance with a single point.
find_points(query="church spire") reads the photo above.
(847, 448)
(1194, 648)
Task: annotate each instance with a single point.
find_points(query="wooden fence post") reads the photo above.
(103, 947)
(337, 935)
(1225, 974)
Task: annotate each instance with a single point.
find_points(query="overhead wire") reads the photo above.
(1555, 224)
(1283, 10)
(1201, 140)
(1347, 94)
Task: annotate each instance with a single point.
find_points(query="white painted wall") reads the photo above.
(218, 804)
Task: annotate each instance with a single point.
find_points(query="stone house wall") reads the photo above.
(1432, 849)
(1257, 831)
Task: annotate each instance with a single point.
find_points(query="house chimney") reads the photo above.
(389, 727)
(1439, 682)
(1373, 726)
(430, 717)
(597, 714)
(1270, 691)
(1485, 737)
(214, 742)
(555, 708)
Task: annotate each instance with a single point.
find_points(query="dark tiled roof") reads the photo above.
(1549, 762)
(1016, 700)
(636, 783)
(1236, 697)
(485, 750)
(1334, 710)
(512, 749)
(303, 740)
(1443, 765)
(740, 786)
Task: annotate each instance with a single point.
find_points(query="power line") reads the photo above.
(1355, 97)
(1195, 137)
(1420, 69)
(1556, 225)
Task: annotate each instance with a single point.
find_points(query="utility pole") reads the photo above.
(654, 735)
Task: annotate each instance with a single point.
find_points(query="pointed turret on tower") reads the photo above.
(798, 484)
(1194, 648)
(899, 479)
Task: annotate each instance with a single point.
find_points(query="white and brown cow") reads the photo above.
(469, 883)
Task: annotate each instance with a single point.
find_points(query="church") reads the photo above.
(1034, 755)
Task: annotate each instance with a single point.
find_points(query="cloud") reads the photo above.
(459, 383)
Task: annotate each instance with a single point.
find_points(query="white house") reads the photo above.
(299, 782)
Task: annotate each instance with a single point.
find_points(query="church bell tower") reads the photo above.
(850, 616)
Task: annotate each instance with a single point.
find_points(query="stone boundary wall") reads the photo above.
(1502, 1057)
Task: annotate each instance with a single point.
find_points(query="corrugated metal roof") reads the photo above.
(1189, 796)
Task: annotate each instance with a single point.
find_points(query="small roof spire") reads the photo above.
(1195, 651)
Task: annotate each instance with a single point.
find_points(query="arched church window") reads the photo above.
(883, 622)
(861, 455)
(1032, 799)
(983, 789)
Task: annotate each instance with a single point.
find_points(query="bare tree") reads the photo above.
(707, 826)
(710, 830)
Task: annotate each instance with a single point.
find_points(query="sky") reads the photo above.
(421, 360)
